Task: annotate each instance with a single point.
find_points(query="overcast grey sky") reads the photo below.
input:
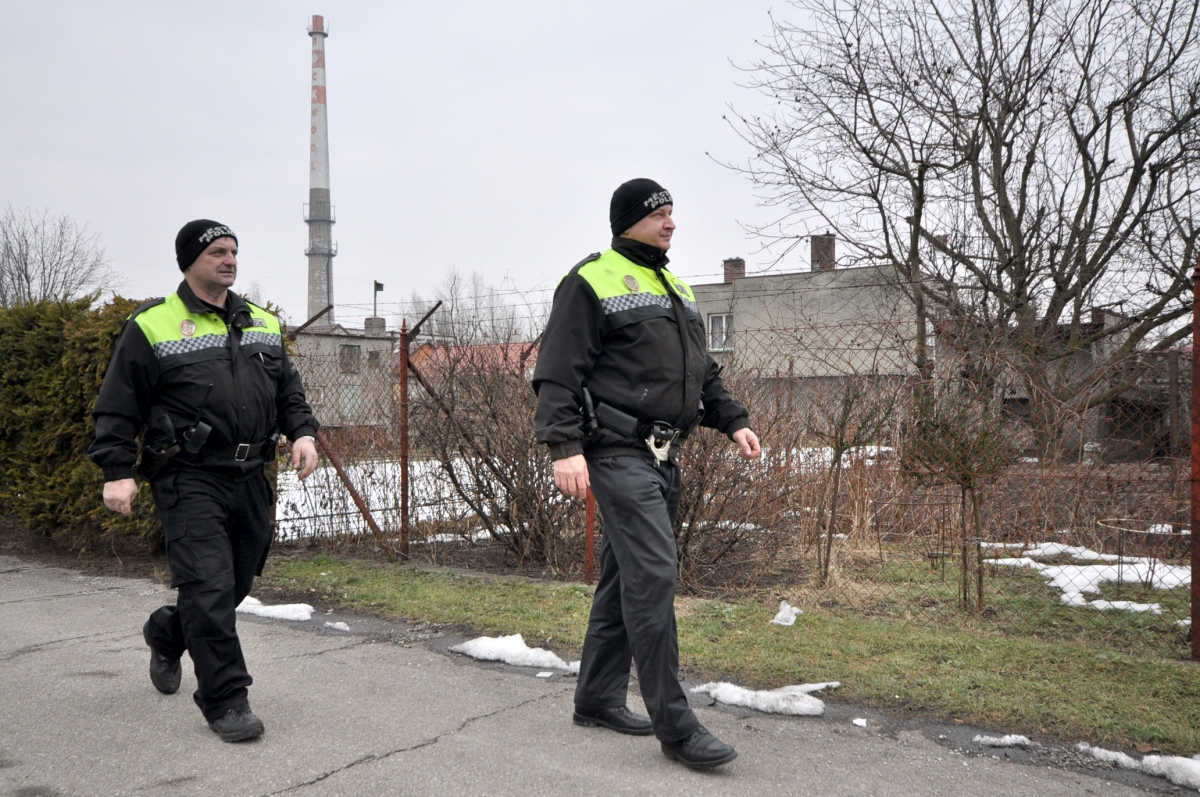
(483, 136)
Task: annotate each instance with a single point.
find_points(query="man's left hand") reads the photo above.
(304, 456)
(747, 441)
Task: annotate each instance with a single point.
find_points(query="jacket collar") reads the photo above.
(234, 305)
(643, 254)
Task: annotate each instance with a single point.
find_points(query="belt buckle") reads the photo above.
(243, 451)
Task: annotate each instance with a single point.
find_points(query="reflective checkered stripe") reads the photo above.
(168, 348)
(617, 304)
(252, 336)
(629, 292)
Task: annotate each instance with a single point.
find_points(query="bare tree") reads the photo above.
(1023, 166)
(474, 311)
(48, 258)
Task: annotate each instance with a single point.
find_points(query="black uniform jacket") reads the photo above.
(254, 390)
(639, 364)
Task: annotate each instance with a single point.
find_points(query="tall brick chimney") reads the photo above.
(735, 268)
(824, 252)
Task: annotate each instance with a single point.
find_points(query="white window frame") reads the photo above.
(726, 341)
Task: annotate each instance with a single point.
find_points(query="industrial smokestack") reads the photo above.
(319, 213)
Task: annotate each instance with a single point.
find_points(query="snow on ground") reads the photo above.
(787, 614)
(794, 700)
(1177, 769)
(338, 626)
(1075, 581)
(1127, 606)
(1008, 740)
(859, 721)
(513, 650)
(287, 611)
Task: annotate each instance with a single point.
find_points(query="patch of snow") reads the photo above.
(860, 722)
(546, 674)
(787, 614)
(1110, 756)
(287, 611)
(793, 700)
(1177, 769)
(338, 626)
(1002, 545)
(1127, 606)
(512, 650)
(1184, 623)
(1160, 528)
(1029, 460)
(1008, 740)
(480, 535)
(1077, 580)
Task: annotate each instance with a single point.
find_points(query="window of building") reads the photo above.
(720, 332)
(374, 357)
(349, 358)
(350, 402)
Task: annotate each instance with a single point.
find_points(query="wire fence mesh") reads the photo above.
(1047, 499)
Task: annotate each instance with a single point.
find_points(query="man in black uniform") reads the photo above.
(204, 373)
(622, 378)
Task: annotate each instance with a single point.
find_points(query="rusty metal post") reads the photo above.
(358, 501)
(589, 538)
(404, 440)
(1195, 431)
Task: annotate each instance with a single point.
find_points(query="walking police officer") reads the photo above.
(205, 375)
(622, 378)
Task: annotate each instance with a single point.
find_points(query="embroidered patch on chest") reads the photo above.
(257, 322)
(188, 327)
(632, 284)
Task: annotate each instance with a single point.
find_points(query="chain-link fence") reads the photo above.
(1046, 498)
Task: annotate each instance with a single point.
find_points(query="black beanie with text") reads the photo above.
(634, 201)
(195, 237)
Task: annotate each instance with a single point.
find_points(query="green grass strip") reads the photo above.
(1018, 685)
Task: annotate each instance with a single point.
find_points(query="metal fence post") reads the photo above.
(1195, 519)
(404, 440)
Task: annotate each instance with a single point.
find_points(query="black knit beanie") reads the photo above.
(195, 237)
(634, 201)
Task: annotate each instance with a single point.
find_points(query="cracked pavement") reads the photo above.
(386, 710)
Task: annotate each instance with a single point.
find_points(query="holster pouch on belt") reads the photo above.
(660, 435)
(160, 447)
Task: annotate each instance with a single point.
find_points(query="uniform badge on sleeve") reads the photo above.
(632, 284)
(188, 327)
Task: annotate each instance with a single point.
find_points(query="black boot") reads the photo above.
(237, 724)
(165, 672)
(619, 719)
(701, 750)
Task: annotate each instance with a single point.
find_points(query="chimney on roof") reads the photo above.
(824, 252)
(375, 326)
(735, 268)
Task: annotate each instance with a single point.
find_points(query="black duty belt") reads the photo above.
(244, 451)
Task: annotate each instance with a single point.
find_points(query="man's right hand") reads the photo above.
(119, 495)
(571, 476)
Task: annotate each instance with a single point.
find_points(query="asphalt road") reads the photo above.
(385, 710)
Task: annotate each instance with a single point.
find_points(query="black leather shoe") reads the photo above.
(237, 725)
(619, 719)
(701, 750)
(165, 672)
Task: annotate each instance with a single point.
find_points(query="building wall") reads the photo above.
(814, 324)
(348, 376)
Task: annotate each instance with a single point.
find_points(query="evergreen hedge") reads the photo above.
(57, 354)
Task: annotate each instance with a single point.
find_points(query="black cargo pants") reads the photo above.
(218, 529)
(633, 612)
